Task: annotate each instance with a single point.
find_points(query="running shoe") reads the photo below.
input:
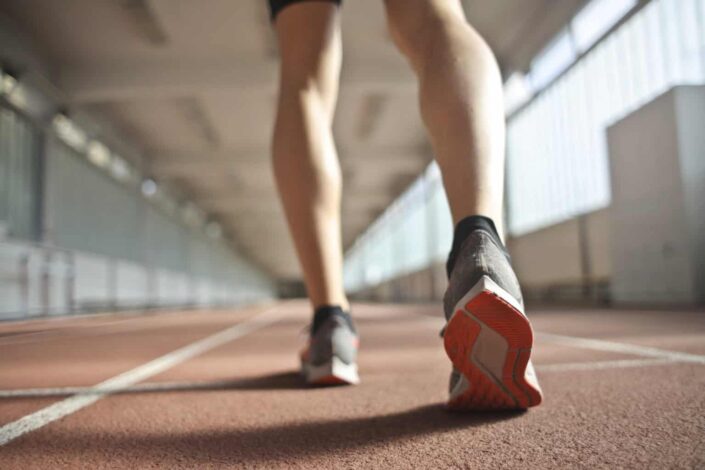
(330, 357)
(487, 335)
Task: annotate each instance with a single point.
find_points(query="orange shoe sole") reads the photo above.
(328, 380)
(489, 341)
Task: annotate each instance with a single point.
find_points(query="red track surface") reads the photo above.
(242, 403)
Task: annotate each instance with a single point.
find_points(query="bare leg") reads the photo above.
(461, 101)
(305, 160)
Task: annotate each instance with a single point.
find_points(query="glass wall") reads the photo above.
(557, 155)
(557, 165)
(413, 232)
(80, 230)
(19, 175)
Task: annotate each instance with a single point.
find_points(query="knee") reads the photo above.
(301, 83)
(310, 79)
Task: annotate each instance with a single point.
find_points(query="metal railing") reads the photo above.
(38, 280)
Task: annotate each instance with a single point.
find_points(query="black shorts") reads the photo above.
(275, 6)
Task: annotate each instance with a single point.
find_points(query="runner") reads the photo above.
(487, 335)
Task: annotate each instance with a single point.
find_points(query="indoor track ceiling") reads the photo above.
(191, 84)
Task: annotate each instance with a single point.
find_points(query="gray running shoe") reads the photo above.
(487, 335)
(330, 357)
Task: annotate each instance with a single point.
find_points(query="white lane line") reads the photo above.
(139, 388)
(71, 334)
(603, 345)
(72, 404)
(602, 365)
(45, 392)
(658, 356)
(625, 348)
(148, 387)
(60, 332)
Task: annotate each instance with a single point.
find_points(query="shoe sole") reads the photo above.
(335, 372)
(489, 340)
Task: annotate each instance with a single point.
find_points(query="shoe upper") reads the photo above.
(479, 255)
(335, 336)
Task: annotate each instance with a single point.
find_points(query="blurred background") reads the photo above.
(135, 171)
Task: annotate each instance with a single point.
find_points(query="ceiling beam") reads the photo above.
(255, 152)
(354, 157)
(152, 81)
(217, 153)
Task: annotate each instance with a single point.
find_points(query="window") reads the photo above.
(557, 162)
(553, 61)
(596, 19)
(70, 133)
(19, 176)
(557, 159)
(516, 92)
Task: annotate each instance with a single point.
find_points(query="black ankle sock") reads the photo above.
(464, 228)
(324, 312)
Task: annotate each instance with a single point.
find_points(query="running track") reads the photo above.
(219, 389)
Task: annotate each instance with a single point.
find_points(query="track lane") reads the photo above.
(249, 409)
(84, 353)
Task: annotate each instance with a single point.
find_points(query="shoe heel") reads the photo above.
(489, 341)
(334, 372)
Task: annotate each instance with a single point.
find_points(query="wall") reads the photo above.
(691, 118)
(566, 262)
(557, 164)
(557, 149)
(42, 281)
(19, 173)
(657, 156)
(648, 247)
(76, 239)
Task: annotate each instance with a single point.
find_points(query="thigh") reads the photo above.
(307, 31)
(413, 23)
(275, 6)
(410, 16)
(310, 48)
